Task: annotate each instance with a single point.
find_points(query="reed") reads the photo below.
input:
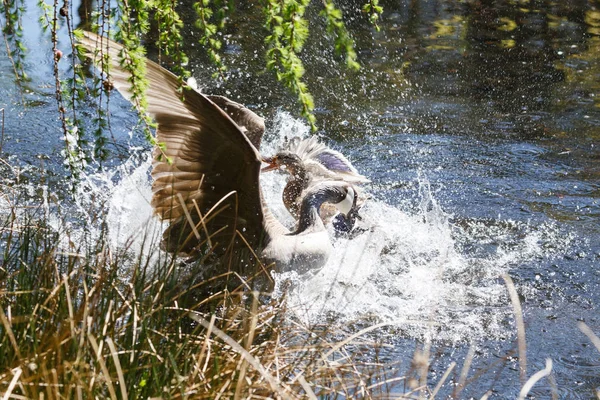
(83, 321)
(87, 321)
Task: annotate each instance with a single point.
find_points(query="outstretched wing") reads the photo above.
(310, 150)
(250, 123)
(206, 169)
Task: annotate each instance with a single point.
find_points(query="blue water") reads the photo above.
(483, 162)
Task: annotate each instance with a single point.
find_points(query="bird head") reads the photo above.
(283, 159)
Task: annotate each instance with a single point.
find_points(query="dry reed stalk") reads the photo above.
(13, 382)
(55, 383)
(204, 227)
(417, 389)
(535, 378)
(356, 335)
(386, 382)
(69, 305)
(553, 387)
(100, 360)
(159, 292)
(10, 333)
(2, 136)
(189, 218)
(522, 345)
(275, 386)
(340, 375)
(441, 382)
(424, 364)
(464, 372)
(359, 384)
(249, 340)
(262, 266)
(590, 334)
(46, 379)
(210, 214)
(205, 350)
(107, 319)
(115, 356)
(136, 320)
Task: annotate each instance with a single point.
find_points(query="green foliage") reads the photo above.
(343, 42)
(223, 10)
(12, 30)
(374, 10)
(46, 17)
(69, 95)
(134, 21)
(209, 31)
(169, 27)
(289, 31)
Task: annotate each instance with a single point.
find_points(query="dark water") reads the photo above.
(494, 106)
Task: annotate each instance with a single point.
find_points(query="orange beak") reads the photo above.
(272, 161)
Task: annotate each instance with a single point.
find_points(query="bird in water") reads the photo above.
(206, 172)
(309, 161)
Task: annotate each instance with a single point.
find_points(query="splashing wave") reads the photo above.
(421, 271)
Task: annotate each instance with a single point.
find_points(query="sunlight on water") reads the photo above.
(405, 270)
(411, 270)
(416, 271)
(124, 194)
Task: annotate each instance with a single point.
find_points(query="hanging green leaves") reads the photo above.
(289, 30)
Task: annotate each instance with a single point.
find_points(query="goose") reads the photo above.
(206, 176)
(309, 161)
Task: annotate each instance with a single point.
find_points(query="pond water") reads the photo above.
(478, 124)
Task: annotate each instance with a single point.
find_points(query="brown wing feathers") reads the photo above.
(210, 158)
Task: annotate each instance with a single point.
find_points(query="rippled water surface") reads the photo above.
(478, 125)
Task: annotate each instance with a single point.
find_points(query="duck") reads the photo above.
(206, 176)
(308, 161)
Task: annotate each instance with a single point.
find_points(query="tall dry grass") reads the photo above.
(84, 321)
(88, 322)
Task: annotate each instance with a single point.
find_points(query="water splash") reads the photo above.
(420, 271)
(130, 217)
(424, 271)
(111, 205)
(404, 270)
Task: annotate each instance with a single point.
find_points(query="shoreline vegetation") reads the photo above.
(86, 321)
(81, 319)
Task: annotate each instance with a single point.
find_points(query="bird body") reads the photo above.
(300, 252)
(309, 244)
(206, 175)
(321, 160)
(308, 161)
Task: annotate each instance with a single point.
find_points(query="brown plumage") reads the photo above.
(308, 161)
(206, 171)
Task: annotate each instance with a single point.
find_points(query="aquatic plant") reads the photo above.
(208, 30)
(374, 10)
(12, 31)
(69, 94)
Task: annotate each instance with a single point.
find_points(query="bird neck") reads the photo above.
(309, 214)
(293, 190)
(299, 175)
